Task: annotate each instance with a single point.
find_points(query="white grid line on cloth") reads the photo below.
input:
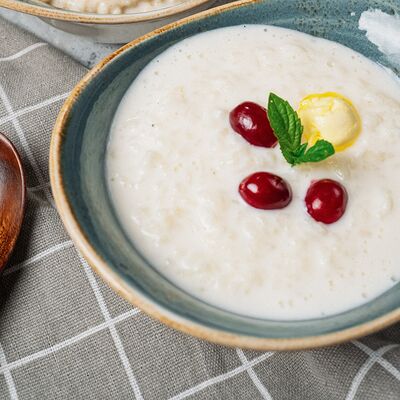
(7, 375)
(113, 330)
(365, 368)
(381, 361)
(39, 256)
(27, 110)
(24, 51)
(253, 376)
(59, 346)
(222, 377)
(24, 143)
(38, 187)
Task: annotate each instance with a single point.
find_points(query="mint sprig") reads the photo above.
(287, 127)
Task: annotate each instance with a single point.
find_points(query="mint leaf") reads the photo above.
(288, 129)
(285, 122)
(300, 151)
(289, 156)
(322, 149)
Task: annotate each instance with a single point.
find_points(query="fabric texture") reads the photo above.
(65, 335)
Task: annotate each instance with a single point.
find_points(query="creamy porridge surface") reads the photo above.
(174, 165)
(112, 6)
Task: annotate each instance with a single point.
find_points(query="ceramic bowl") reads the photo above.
(78, 181)
(107, 28)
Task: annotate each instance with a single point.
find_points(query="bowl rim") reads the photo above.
(100, 266)
(93, 18)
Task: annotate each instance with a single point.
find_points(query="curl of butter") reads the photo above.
(329, 116)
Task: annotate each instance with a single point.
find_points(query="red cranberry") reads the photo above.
(250, 121)
(326, 200)
(266, 191)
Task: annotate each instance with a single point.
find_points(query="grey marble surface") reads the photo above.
(83, 50)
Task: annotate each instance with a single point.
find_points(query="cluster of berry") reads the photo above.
(325, 200)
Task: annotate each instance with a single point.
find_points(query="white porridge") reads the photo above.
(174, 165)
(112, 6)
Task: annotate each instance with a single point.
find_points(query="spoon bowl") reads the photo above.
(12, 198)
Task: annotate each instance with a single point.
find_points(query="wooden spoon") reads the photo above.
(12, 198)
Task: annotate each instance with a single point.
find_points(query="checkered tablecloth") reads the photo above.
(65, 335)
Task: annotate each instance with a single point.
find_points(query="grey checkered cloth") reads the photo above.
(65, 335)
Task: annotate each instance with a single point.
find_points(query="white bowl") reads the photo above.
(107, 28)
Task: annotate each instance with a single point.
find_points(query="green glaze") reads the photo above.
(84, 145)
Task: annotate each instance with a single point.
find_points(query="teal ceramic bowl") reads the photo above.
(78, 181)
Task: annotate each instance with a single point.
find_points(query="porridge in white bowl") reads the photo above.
(112, 6)
(189, 189)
